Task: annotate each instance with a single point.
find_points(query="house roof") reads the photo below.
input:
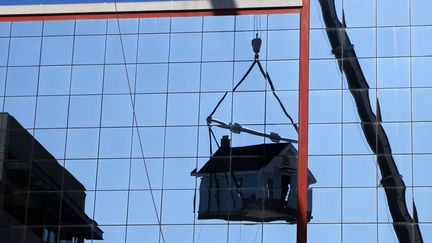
(245, 158)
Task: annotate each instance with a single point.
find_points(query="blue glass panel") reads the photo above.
(208, 101)
(22, 81)
(54, 80)
(187, 24)
(422, 132)
(283, 21)
(248, 233)
(181, 141)
(136, 233)
(360, 13)
(421, 165)
(327, 170)
(104, 213)
(152, 142)
(393, 72)
(420, 97)
(420, 14)
(359, 205)
(142, 209)
(325, 139)
(154, 25)
(89, 27)
(117, 110)
(354, 141)
(127, 26)
(395, 104)
(422, 199)
(360, 233)
(212, 233)
(184, 77)
(24, 51)
(82, 143)
(115, 142)
(176, 206)
(393, 42)
(316, 16)
(420, 40)
(52, 111)
(283, 44)
(248, 107)
(59, 27)
(327, 205)
(117, 81)
(185, 47)
(57, 50)
(113, 174)
(324, 74)
(152, 78)
(369, 68)
(364, 41)
(393, 12)
(274, 113)
(251, 22)
(87, 79)
(182, 109)
(150, 109)
(84, 111)
(139, 176)
(89, 50)
(324, 106)
(27, 28)
(217, 76)
(254, 81)
(177, 173)
(52, 140)
(360, 171)
(218, 23)
(84, 171)
(122, 50)
(5, 29)
(284, 74)
(421, 71)
(22, 108)
(218, 46)
(153, 48)
(399, 135)
(4, 50)
(2, 80)
(320, 48)
(320, 232)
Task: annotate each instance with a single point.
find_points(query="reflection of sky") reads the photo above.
(172, 99)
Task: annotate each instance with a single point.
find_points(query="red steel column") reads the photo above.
(303, 123)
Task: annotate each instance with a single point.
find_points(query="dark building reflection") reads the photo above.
(40, 201)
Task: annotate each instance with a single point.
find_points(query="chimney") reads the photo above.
(225, 145)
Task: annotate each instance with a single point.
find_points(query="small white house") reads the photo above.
(252, 183)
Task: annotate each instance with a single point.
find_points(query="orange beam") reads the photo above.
(303, 124)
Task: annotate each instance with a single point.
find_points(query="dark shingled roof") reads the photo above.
(245, 158)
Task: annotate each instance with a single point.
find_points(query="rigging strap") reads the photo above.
(256, 45)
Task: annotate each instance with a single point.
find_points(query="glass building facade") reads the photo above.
(122, 104)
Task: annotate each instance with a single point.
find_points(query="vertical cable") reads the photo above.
(198, 127)
(132, 131)
(158, 215)
(100, 120)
